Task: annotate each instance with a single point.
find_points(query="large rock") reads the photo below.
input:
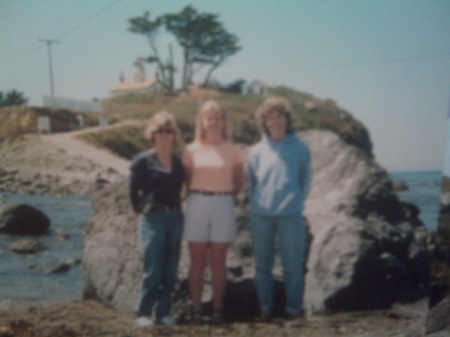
(22, 219)
(367, 249)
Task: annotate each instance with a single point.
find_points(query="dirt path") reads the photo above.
(68, 142)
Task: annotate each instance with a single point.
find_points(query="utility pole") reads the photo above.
(49, 48)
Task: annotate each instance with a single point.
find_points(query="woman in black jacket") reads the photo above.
(155, 184)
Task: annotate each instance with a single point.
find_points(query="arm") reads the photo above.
(238, 178)
(306, 174)
(135, 182)
(187, 165)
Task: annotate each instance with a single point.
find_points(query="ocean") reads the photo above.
(20, 283)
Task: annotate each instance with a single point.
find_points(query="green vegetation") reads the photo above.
(203, 39)
(309, 113)
(12, 98)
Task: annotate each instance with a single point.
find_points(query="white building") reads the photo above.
(259, 87)
(139, 84)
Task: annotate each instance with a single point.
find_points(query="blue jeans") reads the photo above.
(160, 239)
(292, 241)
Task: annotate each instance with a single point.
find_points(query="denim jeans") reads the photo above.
(160, 239)
(292, 241)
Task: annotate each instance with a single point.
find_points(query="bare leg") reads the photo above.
(198, 253)
(218, 269)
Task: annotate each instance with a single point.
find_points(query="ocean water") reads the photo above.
(424, 191)
(19, 283)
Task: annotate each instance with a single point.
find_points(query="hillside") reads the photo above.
(309, 113)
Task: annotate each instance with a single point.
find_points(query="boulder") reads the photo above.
(26, 246)
(22, 219)
(399, 185)
(367, 249)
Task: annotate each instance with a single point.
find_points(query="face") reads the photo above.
(212, 121)
(165, 135)
(276, 124)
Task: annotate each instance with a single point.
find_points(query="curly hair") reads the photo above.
(274, 103)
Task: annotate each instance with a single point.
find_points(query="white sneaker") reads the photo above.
(144, 322)
(168, 320)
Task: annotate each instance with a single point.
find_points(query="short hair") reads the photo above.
(207, 106)
(276, 103)
(159, 120)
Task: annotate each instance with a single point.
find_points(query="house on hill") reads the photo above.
(139, 84)
(259, 87)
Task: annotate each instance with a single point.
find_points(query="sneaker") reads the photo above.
(264, 316)
(168, 320)
(217, 318)
(144, 322)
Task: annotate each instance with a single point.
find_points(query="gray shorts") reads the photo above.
(210, 218)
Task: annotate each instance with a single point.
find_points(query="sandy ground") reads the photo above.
(90, 318)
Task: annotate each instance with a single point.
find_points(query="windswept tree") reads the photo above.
(201, 36)
(12, 97)
(150, 29)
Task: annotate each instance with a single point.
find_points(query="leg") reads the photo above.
(218, 269)
(292, 236)
(151, 237)
(172, 246)
(198, 253)
(263, 237)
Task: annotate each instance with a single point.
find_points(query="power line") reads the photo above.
(89, 18)
(68, 31)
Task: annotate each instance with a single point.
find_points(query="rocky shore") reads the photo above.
(36, 165)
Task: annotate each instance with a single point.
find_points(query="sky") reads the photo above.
(387, 62)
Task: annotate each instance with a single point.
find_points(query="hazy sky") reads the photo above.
(385, 61)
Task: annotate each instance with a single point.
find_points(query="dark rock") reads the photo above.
(26, 246)
(22, 219)
(52, 267)
(399, 185)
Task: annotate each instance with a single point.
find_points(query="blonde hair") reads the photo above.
(207, 106)
(159, 120)
(278, 104)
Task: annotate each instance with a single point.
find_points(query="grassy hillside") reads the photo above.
(309, 112)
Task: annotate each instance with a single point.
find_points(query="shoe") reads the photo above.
(196, 318)
(264, 316)
(144, 322)
(217, 318)
(168, 320)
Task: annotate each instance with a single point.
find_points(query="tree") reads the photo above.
(13, 97)
(201, 36)
(143, 25)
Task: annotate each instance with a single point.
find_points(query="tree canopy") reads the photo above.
(204, 41)
(13, 97)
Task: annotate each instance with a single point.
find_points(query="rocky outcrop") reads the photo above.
(367, 248)
(34, 165)
(22, 219)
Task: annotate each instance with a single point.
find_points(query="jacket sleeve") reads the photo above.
(135, 183)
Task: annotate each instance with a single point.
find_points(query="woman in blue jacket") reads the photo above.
(155, 184)
(279, 178)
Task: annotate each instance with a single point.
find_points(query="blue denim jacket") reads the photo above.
(279, 175)
(147, 175)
